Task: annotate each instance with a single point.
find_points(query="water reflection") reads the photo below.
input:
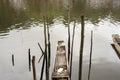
(21, 11)
(17, 4)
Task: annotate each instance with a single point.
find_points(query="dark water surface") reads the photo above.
(21, 28)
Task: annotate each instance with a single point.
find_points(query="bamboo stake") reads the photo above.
(41, 51)
(68, 33)
(42, 69)
(49, 48)
(81, 48)
(13, 63)
(33, 66)
(45, 42)
(29, 59)
(49, 44)
(72, 50)
(90, 55)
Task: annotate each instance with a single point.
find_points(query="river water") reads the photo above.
(21, 28)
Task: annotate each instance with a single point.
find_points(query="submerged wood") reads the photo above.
(90, 62)
(81, 48)
(13, 63)
(72, 46)
(60, 66)
(33, 66)
(41, 51)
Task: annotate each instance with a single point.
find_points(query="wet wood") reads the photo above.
(33, 66)
(60, 66)
(29, 59)
(81, 48)
(13, 63)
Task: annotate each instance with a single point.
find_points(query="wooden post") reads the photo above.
(42, 69)
(49, 44)
(13, 63)
(69, 34)
(45, 42)
(90, 55)
(29, 59)
(43, 63)
(33, 66)
(81, 48)
(72, 49)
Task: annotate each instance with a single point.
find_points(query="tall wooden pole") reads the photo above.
(46, 55)
(69, 32)
(49, 44)
(42, 69)
(33, 66)
(43, 63)
(90, 55)
(72, 49)
(81, 48)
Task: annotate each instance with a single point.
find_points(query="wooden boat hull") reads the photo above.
(60, 71)
(116, 44)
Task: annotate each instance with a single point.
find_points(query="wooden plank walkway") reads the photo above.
(60, 71)
(116, 44)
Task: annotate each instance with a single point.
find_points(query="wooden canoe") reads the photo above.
(60, 71)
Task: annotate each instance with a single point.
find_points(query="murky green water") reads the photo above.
(21, 28)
